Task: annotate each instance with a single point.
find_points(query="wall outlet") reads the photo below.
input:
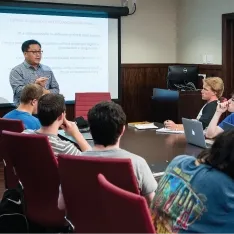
(134, 2)
(204, 59)
(209, 58)
(124, 3)
(204, 75)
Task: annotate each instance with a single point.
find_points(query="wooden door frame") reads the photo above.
(228, 53)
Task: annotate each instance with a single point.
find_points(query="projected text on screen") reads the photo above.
(75, 48)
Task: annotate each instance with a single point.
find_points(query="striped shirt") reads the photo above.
(58, 146)
(24, 74)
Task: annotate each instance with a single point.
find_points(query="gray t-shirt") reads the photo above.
(146, 182)
(58, 146)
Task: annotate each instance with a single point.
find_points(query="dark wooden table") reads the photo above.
(156, 148)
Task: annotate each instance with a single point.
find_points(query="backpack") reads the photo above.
(13, 219)
(12, 209)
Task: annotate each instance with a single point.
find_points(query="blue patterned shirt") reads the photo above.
(193, 198)
(24, 74)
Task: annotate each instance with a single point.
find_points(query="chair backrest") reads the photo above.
(12, 125)
(37, 168)
(125, 212)
(80, 187)
(85, 101)
(11, 180)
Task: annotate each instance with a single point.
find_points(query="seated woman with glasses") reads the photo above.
(196, 195)
(214, 129)
(211, 93)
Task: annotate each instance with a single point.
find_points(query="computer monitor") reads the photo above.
(180, 77)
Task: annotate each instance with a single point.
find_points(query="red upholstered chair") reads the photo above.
(12, 125)
(125, 212)
(11, 180)
(85, 101)
(37, 168)
(80, 187)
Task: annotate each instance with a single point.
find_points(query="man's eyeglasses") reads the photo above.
(35, 52)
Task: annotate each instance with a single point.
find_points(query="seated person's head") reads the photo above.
(107, 123)
(51, 109)
(212, 87)
(30, 96)
(221, 154)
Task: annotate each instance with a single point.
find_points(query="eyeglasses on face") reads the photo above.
(35, 52)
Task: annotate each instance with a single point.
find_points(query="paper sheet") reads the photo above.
(166, 130)
(145, 126)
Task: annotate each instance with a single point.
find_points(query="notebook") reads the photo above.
(166, 130)
(133, 124)
(145, 126)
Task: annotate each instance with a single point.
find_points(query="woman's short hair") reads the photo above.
(216, 85)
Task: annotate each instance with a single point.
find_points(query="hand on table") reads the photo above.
(170, 124)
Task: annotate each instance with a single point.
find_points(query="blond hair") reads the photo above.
(216, 85)
(31, 92)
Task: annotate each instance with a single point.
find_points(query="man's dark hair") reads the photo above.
(31, 92)
(50, 107)
(221, 154)
(106, 121)
(26, 44)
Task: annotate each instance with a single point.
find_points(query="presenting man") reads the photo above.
(31, 71)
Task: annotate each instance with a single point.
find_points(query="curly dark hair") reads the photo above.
(106, 121)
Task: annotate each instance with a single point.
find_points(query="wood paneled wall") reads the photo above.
(137, 83)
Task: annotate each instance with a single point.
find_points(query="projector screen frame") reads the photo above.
(97, 11)
(112, 12)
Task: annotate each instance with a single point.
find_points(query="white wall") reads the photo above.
(200, 28)
(167, 31)
(148, 36)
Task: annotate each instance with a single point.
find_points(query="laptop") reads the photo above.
(194, 134)
(86, 135)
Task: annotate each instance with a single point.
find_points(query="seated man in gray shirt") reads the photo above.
(52, 115)
(31, 71)
(107, 125)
